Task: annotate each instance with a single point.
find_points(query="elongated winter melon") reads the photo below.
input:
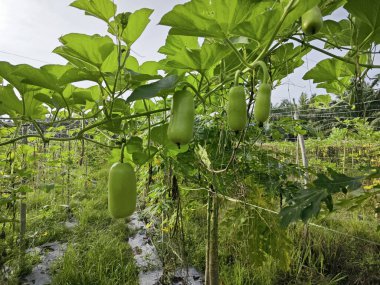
(121, 190)
(262, 103)
(180, 129)
(237, 109)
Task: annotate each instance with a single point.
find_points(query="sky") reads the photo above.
(30, 30)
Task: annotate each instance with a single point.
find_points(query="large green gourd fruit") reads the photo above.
(237, 109)
(121, 190)
(262, 103)
(180, 129)
(312, 21)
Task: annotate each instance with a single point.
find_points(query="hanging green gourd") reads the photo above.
(263, 97)
(180, 129)
(312, 21)
(262, 103)
(122, 193)
(262, 100)
(237, 107)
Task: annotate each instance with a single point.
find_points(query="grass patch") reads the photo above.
(98, 252)
(317, 256)
(100, 259)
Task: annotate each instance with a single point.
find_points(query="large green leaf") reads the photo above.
(58, 100)
(363, 34)
(134, 144)
(367, 10)
(102, 9)
(261, 23)
(337, 182)
(33, 107)
(9, 103)
(129, 26)
(120, 106)
(329, 70)
(111, 63)
(176, 43)
(337, 33)
(45, 98)
(305, 205)
(142, 106)
(23, 76)
(206, 18)
(82, 95)
(159, 135)
(158, 88)
(144, 156)
(85, 51)
(307, 202)
(285, 59)
(149, 68)
(114, 125)
(321, 101)
(367, 13)
(137, 78)
(329, 6)
(130, 76)
(68, 73)
(132, 63)
(87, 98)
(37, 77)
(357, 200)
(137, 23)
(266, 15)
(196, 59)
(51, 98)
(338, 87)
(7, 72)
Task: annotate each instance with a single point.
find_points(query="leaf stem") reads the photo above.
(237, 74)
(248, 65)
(80, 134)
(188, 85)
(333, 55)
(122, 153)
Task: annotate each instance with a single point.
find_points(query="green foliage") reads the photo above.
(214, 25)
(102, 9)
(127, 102)
(367, 13)
(329, 70)
(155, 89)
(96, 241)
(307, 202)
(285, 59)
(179, 55)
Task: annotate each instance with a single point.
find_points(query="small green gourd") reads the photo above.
(180, 129)
(312, 21)
(237, 109)
(262, 103)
